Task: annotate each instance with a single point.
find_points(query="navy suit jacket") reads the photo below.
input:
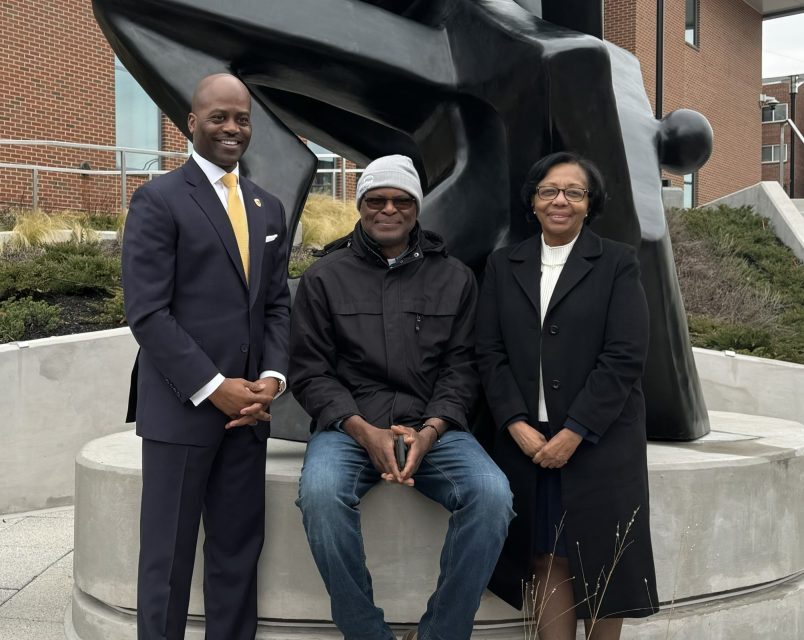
(189, 306)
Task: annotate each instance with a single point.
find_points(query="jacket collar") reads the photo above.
(527, 267)
(421, 241)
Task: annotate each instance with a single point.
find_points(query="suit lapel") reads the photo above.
(256, 236)
(204, 194)
(588, 245)
(528, 268)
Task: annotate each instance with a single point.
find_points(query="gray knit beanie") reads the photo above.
(391, 171)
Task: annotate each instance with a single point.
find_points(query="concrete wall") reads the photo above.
(770, 201)
(756, 386)
(57, 395)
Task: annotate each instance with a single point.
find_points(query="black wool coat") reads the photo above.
(592, 347)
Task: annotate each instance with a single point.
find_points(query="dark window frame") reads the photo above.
(774, 109)
(774, 160)
(693, 189)
(692, 30)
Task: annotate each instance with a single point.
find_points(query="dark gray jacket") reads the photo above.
(392, 344)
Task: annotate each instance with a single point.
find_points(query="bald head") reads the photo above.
(220, 120)
(210, 85)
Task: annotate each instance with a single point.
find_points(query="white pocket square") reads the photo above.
(271, 238)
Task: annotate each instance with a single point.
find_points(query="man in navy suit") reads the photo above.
(205, 283)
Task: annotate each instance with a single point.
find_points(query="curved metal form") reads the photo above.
(473, 90)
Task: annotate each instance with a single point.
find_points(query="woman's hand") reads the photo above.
(558, 450)
(530, 440)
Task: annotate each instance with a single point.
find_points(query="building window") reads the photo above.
(691, 22)
(324, 181)
(770, 153)
(137, 120)
(774, 113)
(689, 190)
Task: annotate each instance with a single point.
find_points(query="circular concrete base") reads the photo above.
(726, 514)
(776, 612)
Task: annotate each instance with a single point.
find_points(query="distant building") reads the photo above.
(66, 85)
(779, 103)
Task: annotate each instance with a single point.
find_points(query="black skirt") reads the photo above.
(550, 537)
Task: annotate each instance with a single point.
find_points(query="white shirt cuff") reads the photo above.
(283, 383)
(207, 390)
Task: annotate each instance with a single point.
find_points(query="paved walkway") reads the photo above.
(36, 573)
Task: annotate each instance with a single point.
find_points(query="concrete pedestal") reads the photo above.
(726, 514)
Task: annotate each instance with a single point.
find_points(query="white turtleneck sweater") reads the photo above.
(553, 261)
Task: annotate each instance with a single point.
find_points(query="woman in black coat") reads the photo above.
(562, 335)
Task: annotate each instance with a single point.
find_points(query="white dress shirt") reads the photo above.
(214, 174)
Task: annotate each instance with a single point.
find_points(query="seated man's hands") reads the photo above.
(419, 443)
(379, 444)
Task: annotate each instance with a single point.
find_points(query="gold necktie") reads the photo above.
(237, 216)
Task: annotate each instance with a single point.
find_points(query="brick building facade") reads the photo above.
(60, 85)
(719, 75)
(61, 75)
(773, 115)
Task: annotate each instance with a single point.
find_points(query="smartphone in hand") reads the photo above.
(401, 451)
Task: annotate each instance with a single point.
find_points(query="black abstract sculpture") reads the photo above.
(474, 91)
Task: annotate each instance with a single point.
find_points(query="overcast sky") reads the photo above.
(783, 46)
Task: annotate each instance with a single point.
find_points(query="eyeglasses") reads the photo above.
(400, 204)
(573, 194)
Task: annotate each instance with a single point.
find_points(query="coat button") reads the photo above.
(556, 384)
(553, 329)
(244, 348)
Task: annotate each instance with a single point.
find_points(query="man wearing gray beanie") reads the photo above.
(382, 349)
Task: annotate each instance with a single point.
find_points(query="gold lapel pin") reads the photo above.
(258, 202)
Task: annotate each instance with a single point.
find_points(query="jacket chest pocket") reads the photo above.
(358, 324)
(428, 323)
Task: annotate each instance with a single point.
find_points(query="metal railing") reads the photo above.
(782, 145)
(335, 184)
(123, 171)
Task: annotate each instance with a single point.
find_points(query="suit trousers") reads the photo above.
(226, 484)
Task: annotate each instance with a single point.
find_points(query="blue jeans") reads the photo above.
(456, 473)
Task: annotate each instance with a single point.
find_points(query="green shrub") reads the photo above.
(743, 289)
(64, 268)
(299, 265)
(8, 218)
(722, 336)
(112, 309)
(21, 318)
(103, 221)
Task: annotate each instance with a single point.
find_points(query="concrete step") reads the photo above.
(799, 202)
